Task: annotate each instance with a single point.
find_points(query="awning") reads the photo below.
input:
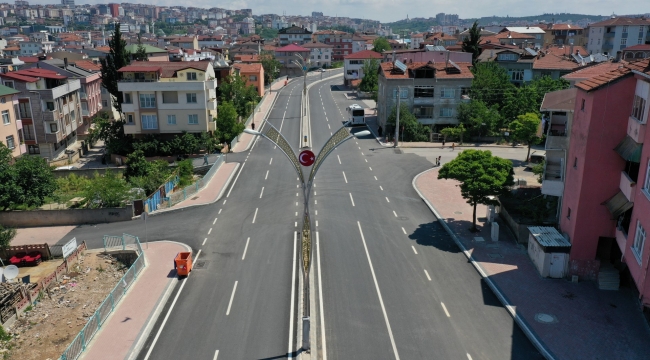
(618, 204)
(629, 149)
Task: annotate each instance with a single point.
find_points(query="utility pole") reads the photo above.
(399, 95)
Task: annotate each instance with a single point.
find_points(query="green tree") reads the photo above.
(190, 143)
(475, 113)
(235, 90)
(109, 190)
(538, 169)
(519, 101)
(7, 234)
(35, 179)
(271, 67)
(112, 133)
(136, 165)
(228, 126)
(9, 190)
(140, 53)
(370, 80)
(525, 128)
(454, 132)
(412, 129)
(117, 58)
(490, 84)
(268, 33)
(481, 175)
(380, 45)
(471, 42)
(185, 172)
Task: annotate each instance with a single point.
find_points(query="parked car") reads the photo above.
(534, 159)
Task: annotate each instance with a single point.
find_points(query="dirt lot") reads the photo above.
(47, 329)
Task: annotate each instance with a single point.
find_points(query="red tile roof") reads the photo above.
(641, 47)
(622, 21)
(28, 59)
(640, 66)
(603, 79)
(441, 73)
(248, 68)
(167, 69)
(566, 50)
(563, 27)
(292, 48)
(87, 65)
(316, 45)
(554, 62)
(33, 74)
(364, 54)
(593, 70)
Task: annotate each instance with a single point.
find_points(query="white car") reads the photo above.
(321, 70)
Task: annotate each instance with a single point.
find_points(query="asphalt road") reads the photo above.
(394, 284)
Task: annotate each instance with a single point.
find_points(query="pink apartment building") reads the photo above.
(605, 200)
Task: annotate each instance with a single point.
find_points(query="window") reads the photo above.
(129, 119)
(568, 213)
(193, 119)
(638, 108)
(639, 241)
(25, 110)
(327, 57)
(72, 116)
(5, 117)
(446, 93)
(34, 149)
(623, 41)
(149, 122)
(105, 103)
(516, 74)
(191, 76)
(28, 131)
(646, 183)
(639, 41)
(624, 29)
(10, 142)
(170, 97)
(147, 101)
(191, 98)
(423, 111)
(582, 105)
(446, 112)
(127, 98)
(575, 163)
(508, 57)
(9, 84)
(54, 127)
(252, 78)
(171, 119)
(422, 91)
(403, 93)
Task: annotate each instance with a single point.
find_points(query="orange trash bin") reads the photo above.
(183, 263)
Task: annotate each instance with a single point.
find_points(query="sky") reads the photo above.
(393, 10)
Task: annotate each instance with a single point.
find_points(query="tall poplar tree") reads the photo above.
(118, 57)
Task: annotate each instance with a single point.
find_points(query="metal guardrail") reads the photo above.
(80, 342)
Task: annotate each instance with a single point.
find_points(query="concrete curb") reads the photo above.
(155, 313)
(494, 287)
(208, 203)
(463, 146)
(308, 121)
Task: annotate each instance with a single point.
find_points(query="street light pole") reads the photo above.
(399, 95)
(340, 136)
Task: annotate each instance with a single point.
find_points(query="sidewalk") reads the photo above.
(584, 322)
(213, 191)
(245, 140)
(126, 329)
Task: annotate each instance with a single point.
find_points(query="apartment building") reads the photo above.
(517, 62)
(253, 74)
(287, 54)
(49, 107)
(564, 34)
(340, 41)
(432, 91)
(294, 35)
(353, 65)
(605, 181)
(615, 34)
(168, 97)
(321, 54)
(11, 133)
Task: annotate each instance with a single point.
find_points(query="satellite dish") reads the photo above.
(11, 272)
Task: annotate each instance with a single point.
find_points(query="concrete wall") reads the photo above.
(65, 217)
(89, 173)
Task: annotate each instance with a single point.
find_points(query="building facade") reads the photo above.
(613, 35)
(253, 74)
(294, 35)
(168, 97)
(11, 132)
(287, 54)
(321, 54)
(353, 65)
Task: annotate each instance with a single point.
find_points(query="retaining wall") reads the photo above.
(39, 218)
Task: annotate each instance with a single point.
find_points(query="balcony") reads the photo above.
(610, 35)
(557, 136)
(130, 86)
(83, 95)
(553, 179)
(61, 90)
(212, 125)
(85, 112)
(636, 130)
(627, 186)
(422, 100)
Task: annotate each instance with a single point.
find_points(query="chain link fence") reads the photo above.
(80, 342)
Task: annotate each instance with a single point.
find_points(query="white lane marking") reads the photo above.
(469, 357)
(316, 223)
(387, 199)
(345, 177)
(270, 162)
(351, 199)
(315, 202)
(296, 213)
(293, 292)
(381, 301)
(209, 231)
(331, 133)
(328, 126)
(314, 183)
(216, 355)
(215, 220)
(375, 178)
(295, 224)
(171, 307)
(359, 147)
(403, 230)
(219, 211)
(337, 156)
(234, 182)
(255, 216)
(298, 185)
(267, 175)
(296, 194)
(224, 202)
(296, 203)
(204, 240)
(394, 213)
(315, 193)
(316, 212)
(427, 274)
(262, 193)
(415, 251)
(356, 142)
(231, 298)
(366, 160)
(320, 297)
(245, 248)
(382, 189)
(370, 168)
(445, 309)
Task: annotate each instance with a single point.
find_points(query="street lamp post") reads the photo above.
(340, 136)
(303, 65)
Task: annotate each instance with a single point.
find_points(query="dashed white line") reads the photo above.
(224, 202)
(267, 175)
(219, 211)
(427, 274)
(359, 147)
(415, 251)
(295, 224)
(337, 156)
(204, 240)
(262, 193)
(234, 182)
(316, 212)
(387, 199)
(231, 298)
(362, 154)
(245, 248)
(375, 178)
(209, 231)
(370, 168)
(315, 202)
(445, 309)
(394, 213)
(296, 194)
(316, 223)
(328, 126)
(382, 189)
(216, 355)
(296, 203)
(315, 193)
(255, 216)
(403, 230)
(351, 199)
(215, 220)
(469, 357)
(366, 160)
(270, 162)
(345, 177)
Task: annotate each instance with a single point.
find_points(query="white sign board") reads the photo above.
(69, 247)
